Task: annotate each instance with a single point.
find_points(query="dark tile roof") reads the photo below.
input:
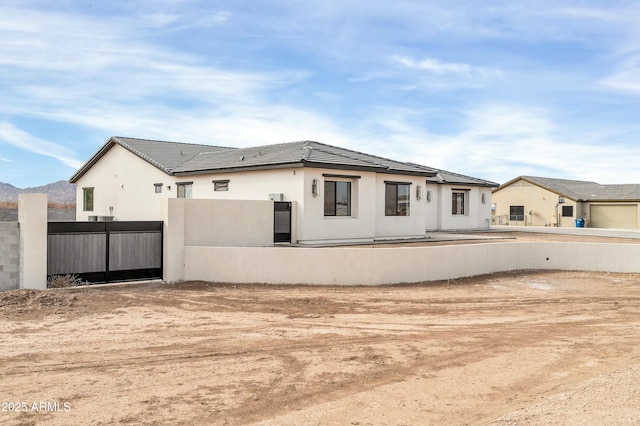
(307, 153)
(444, 176)
(236, 158)
(167, 156)
(162, 154)
(579, 190)
(177, 158)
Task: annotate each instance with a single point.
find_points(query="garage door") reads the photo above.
(614, 216)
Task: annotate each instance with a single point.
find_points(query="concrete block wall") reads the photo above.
(9, 256)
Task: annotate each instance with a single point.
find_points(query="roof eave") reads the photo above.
(538, 184)
(610, 200)
(102, 151)
(374, 169)
(237, 169)
(480, 184)
(93, 160)
(299, 164)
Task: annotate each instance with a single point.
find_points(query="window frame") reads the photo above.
(88, 198)
(516, 217)
(221, 185)
(392, 206)
(336, 212)
(158, 188)
(565, 207)
(184, 186)
(464, 206)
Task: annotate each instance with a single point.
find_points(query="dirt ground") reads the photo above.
(505, 349)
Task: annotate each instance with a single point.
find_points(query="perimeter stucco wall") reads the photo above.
(32, 215)
(241, 223)
(376, 266)
(220, 223)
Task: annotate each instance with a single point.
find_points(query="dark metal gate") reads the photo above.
(102, 252)
(281, 222)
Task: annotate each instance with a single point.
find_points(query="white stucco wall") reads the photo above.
(251, 185)
(124, 187)
(439, 212)
(410, 226)
(484, 208)
(125, 182)
(315, 227)
(433, 208)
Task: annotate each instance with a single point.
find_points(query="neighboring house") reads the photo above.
(539, 201)
(339, 194)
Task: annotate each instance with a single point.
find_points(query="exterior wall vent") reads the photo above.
(276, 197)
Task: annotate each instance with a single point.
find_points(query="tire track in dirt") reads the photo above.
(234, 355)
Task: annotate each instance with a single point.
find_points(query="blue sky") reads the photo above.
(492, 89)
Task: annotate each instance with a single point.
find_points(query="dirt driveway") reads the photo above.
(516, 348)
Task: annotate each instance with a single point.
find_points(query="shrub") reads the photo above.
(64, 281)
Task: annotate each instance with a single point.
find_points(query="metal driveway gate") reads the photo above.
(102, 252)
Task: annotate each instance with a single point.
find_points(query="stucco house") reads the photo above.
(335, 194)
(541, 201)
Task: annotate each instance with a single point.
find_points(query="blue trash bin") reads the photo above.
(579, 223)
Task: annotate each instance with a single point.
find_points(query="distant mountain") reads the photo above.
(58, 192)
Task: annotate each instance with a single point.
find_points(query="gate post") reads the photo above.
(173, 216)
(32, 216)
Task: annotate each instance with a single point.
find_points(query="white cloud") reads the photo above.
(178, 21)
(161, 19)
(12, 135)
(119, 74)
(626, 77)
(501, 141)
(103, 77)
(430, 74)
(433, 65)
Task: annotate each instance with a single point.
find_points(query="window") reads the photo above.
(458, 202)
(185, 189)
(337, 198)
(87, 199)
(158, 187)
(567, 211)
(516, 213)
(221, 185)
(396, 199)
